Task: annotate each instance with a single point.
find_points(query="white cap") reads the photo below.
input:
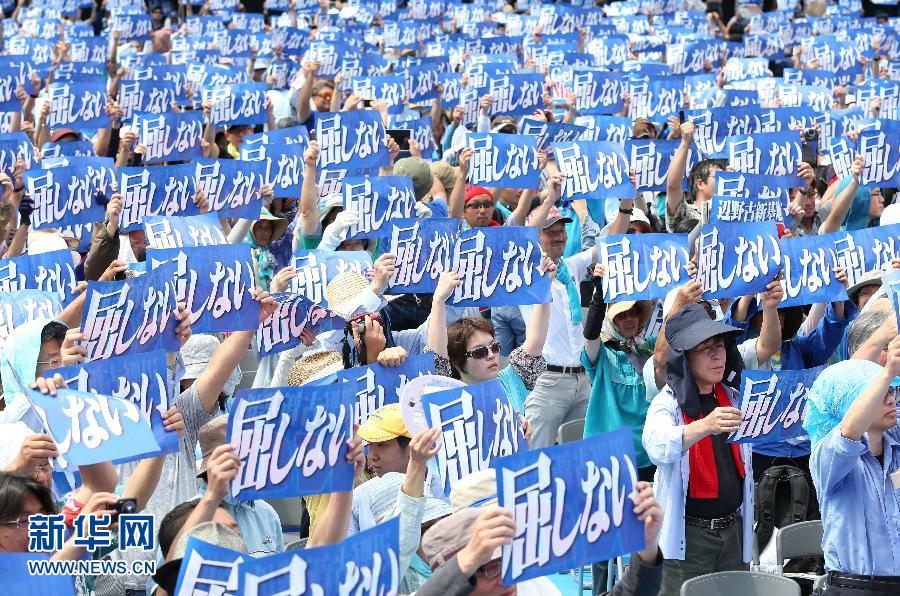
(890, 215)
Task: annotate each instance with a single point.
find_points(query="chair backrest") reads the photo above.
(571, 431)
(803, 539)
(290, 510)
(740, 583)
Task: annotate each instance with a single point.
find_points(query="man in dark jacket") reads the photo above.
(464, 551)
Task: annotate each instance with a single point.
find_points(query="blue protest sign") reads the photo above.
(593, 170)
(556, 498)
(15, 145)
(478, 424)
(657, 97)
(80, 148)
(89, 428)
(499, 266)
(19, 307)
(281, 331)
(176, 74)
(550, 133)
(292, 441)
(737, 259)
(744, 209)
(315, 268)
(173, 136)
(420, 131)
(642, 266)
(243, 103)
(377, 200)
(598, 92)
(739, 184)
(139, 378)
(207, 568)
(50, 272)
(148, 96)
(183, 231)
(881, 151)
(515, 94)
(9, 80)
(424, 249)
(64, 196)
(214, 283)
(293, 135)
(20, 578)
(389, 88)
(773, 404)
(281, 166)
(370, 563)
(770, 154)
(132, 27)
(649, 158)
(871, 249)
(841, 152)
(231, 186)
(808, 264)
(161, 190)
(382, 385)
(504, 160)
(352, 139)
(79, 105)
(133, 316)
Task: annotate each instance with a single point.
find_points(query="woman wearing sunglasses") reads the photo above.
(469, 351)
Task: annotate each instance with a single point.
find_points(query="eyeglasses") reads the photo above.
(326, 96)
(710, 347)
(45, 468)
(481, 352)
(479, 206)
(52, 363)
(492, 569)
(18, 523)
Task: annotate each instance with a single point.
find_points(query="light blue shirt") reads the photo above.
(662, 440)
(860, 506)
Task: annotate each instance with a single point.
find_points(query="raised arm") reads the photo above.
(457, 204)
(309, 70)
(870, 403)
(676, 172)
(309, 192)
(841, 205)
(769, 341)
(539, 324)
(437, 325)
(335, 519)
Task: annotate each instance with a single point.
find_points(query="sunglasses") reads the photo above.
(481, 352)
(479, 206)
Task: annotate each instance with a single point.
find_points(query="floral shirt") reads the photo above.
(527, 366)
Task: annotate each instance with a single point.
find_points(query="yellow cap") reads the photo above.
(383, 424)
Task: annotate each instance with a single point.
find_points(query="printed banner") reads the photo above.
(315, 268)
(133, 316)
(593, 170)
(642, 266)
(737, 259)
(770, 154)
(232, 186)
(738, 184)
(19, 307)
(423, 249)
(382, 385)
(66, 195)
(773, 405)
(550, 133)
(281, 168)
(173, 136)
(292, 441)
(50, 272)
(369, 564)
(214, 283)
(184, 231)
(149, 96)
(377, 201)
(744, 209)
(515, 94)
(139, 378)
(504, 161)
(351, 139)
(89, 428)
(571, 505)
(870, 249)
(808, 264)
(160, 190)
(77, 104)
(281, 331)
(243, 103)
(478, 424)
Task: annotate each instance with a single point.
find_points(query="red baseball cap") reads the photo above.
(552, 217)
(477, 191)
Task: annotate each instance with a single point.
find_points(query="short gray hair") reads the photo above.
(864, 326)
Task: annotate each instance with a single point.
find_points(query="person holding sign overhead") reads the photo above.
(705, 484)
(855, 464)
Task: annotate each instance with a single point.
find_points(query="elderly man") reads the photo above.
(852, 424)
(704, 484)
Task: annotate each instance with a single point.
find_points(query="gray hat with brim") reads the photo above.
(691, 326)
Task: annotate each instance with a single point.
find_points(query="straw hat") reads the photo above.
(279, 225)
(645, 309)
(211, 435)
(314, 365)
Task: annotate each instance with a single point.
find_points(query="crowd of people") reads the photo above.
(669, 369)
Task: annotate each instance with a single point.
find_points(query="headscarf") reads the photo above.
(832, 393)
(20, 354)
(636, 348)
